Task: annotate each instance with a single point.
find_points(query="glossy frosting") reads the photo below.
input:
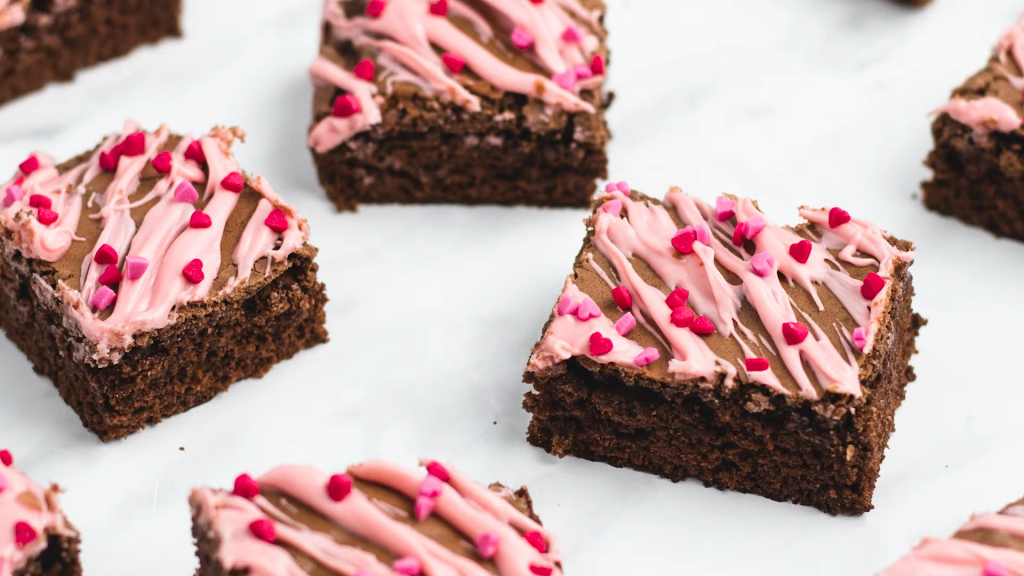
(366, 532)
(721, 280)
(162, 246)
(411, 42)
(22, 501)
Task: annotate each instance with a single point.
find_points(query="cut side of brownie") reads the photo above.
(475, 102)
(35, 537)
(149, 274)
(376, 519)
(43, 41)
(699, 341)
(988, 545)
(978, 163)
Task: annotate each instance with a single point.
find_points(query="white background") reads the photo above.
(433, 310)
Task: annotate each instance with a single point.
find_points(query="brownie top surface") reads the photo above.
(989, 544)
(144, 223)
(377, 519)
(401, 61)
(28, 513)
(684, 291)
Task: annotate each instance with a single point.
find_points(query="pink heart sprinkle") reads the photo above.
(860, 338)
(599, 345)
(623, 299)
(24, 534)
(566, 80)
(110, 276)
(162, 162)
(572, 34)
(613, 207)
(725, 208)
(375, 8)
(597, 65)
(872, 285)
(587, 310)
(677, 298)
(702, 325)
(407, 566)
(684, 239)
(837, 217)
(195, 153)
(682, 317)
(647, 356)
(487, 544)
(521, 38)
(753, 226)
(200, 220)
(186, 192)
(277, 221)
(264, 530)
(763, 263)
(246, 487)
(103, 298)
(454, 62)
(703, 234)
(583, 72)
(339, 486)
(567, 305)
(431, 486)
(134, 144)
(135, 267)
(193, 271)
(345, 106)
(794, 332)
(737, 235)
(541, 570)
(233, 182)
(13, 194)
(105, 255)
(536, 539)
(437, 470)
(365, 70)
(424, 507)
(756, 364)
(625, 324)
(30, 165)
(623, 187)
(46, 216)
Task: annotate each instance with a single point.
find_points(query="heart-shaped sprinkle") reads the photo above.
(246, 487)
(24, 534)
(162, 162)
(193, 271)
(407, 566)
(13, 194)
(339, 487)
(646, 357)
(536, 539)
(587, 310)
(541, 570)
(277, 221)
(613, 207)
(682, 317)
(439, 8)
(135, 267)
(200, 220)
(424, 507)
(837, 217)
(109, 159)
(264, 530)
(40, 201)
(375, 8)
(5, 458)
(725, 208)
(46, 216)
(454, 62)
(703, 234)
(431, 487)
(134, 144)
(195, 153)
(872, 285)
(567, 305)
(859, 338)
(582, 72)
(625, 324)
(597, 65)
(794, 333)
(599, 345)
(677, 298)
(437, 470)
(684, 239)
(703, 326)
(365, 70)
(566, 80)
(521, 39)
(756, 364)
(233, 182)
(623, 299)
(105, 255)
(737, 235)
(103, 298)
(572, 34)
(753, 226)
(623, 187)
(763, 264)
(111, 275)
(345, 106)
(801, 251)
(30, 165)
(487, 544)
(186, 192)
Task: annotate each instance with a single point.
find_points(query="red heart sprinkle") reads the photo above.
(536, 539)
(193, 271)
(162, 162)
(599, 345)
(110, 276)
(677, 298)
(277, 221)
(233, 182)
(872, 285)
(437, 470)
(200, 219)
(453, 62)
(46, 216)
(597, 65)
(540, 570)
(339, 487)
(264, 530)
(837, 217)
(364, 70)
(134, 144)
(683, 241)
(801, 251)
(108, 160)
(5, 458)
(105, 254)
(195, 153)
(794, 333)
(683, 317)
(702, 326)
(756, 364)
(439, 8)
(30, 165)
(345, 106)
(737, 235)
(375, 8)
(623, 299)
(246, 487)
(39, 201)
(24, 534)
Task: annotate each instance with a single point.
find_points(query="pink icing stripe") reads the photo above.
(955, 557)
(13, 13)
(1008, 523)
(12, 510)
(984, 114)
(332, 131)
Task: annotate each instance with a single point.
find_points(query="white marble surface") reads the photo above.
(433, 310)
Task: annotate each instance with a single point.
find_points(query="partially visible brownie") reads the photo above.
(148, 275)
(978, 160)
(35, 537)
(43, 41)
(476, 102)
(988, 545)
(377, 518)
(707, 342)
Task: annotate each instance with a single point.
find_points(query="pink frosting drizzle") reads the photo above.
(955, 557)
(469, 507)
(12, 13)
(406, 34)
(646, 233)
(984, 114)
(47, 518)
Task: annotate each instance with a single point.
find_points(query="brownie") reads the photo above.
(376, 518)
(43, 41)
(978, 171)
(988, 545)
(475, 102)
(706, 342)
(149, 274)
(35, 537)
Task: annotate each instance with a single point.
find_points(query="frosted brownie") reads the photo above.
(477, 102)
(705, 341)
(375, 519)
(149, 274)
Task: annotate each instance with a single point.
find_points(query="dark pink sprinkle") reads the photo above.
(339, 487)
(684, 239)
(195, 153)
(233, 182)
(801, 251)
(453, 62)
(109, 160)
(677, 298)
(345, 106)
(375, 8)
(437, 470)
(597, 65)
(365, 70)
(134, 144)
(599, 345)
(30, 165)
(794, 333)
(193, 271)
(439, 8)
(46, 216)
(837, 217)
(200, 219)
(110, 276)
(24, 534)
(19, 180)
(521, 39)
(623, 299)
(162, 162)
(703, 326)
(246, 487)
(277, 221)
(536, 539)
(683, 317)
(264, 530)
(737, 235)
(39, 201)
(540, 570)
(872, 285)
(5, 458)
(105, 254)
(756, 364)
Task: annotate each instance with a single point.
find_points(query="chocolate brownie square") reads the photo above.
(149, 274)
(707, 342)
(475, 102)
(43, 41)
(377, 518)
(979, 145)
(35, 537)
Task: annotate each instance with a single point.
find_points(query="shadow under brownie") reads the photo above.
(483, 113)
(706, 342)
(148, 275)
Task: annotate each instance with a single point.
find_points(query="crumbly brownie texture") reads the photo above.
(978, 160)
(43, 41)
(148, 275)
(35, 538)
(376, 519)
(988, 545)
(508, 109)
(708, 342)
